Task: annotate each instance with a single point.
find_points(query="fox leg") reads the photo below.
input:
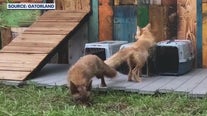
(147, 66)
(130, 74)
(103, 83)
(136, 74)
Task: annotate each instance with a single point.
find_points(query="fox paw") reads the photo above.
(130, 80)
(103, 85)
(137, 79)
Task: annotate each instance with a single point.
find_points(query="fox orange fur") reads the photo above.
(135, 55)
(81, 73)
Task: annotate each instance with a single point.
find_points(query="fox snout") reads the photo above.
(81, 93)
(81, 98)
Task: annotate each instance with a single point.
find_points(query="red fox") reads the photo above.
(81, 73)
(135, 55)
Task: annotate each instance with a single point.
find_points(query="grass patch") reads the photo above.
(39, 101)
(17, 18)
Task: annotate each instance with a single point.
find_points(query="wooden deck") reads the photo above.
(192, 84)
(30, 51)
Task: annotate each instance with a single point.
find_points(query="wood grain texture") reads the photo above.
(13, 75)
(186, 10)
(73, 5)
(20, 62)
(31, 50)
(105, 20)
(6, 36)
(204, 28)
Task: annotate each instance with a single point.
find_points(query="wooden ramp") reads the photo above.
(30, 51)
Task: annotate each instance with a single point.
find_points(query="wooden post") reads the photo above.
(6, 36)
(199, 34)
(204, 35)
(93, 22)
(158, 18)
(0, 40)
(105, 20)
(187, 22)
(125, 22)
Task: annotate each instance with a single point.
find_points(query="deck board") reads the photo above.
(156, 85)
(190, 84)
(56, 75)
(136, 87)
(200, 90)
(174, 84)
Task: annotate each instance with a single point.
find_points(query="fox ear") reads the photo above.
(73, 88)
(148, 26)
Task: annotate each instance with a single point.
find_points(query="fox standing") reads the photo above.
(81, 73)
(135, 55)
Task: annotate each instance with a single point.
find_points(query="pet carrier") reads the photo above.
(174, 57)
(103, 49)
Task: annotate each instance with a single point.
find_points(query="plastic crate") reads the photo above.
(103, 49)
(174, 57)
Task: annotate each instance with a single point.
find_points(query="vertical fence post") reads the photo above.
(93, 22)
(199, 33)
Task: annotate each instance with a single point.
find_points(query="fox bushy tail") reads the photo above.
(118, 58)
(109, 71)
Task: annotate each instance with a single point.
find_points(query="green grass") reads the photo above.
(17, 18)
(38, 101)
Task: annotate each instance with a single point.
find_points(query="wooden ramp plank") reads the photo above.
(58, 20)
(63, 15)
(20, 62)
(192, 83)
(31, 44)
(51, 12)
(13, 75)
(172, 85)
(48, 29)
(71, 19)
(38, 38)
(26, 49)
(22, 46)
(65, 24)
(45, 31)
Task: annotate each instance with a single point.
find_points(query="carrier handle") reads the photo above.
(172, 40)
